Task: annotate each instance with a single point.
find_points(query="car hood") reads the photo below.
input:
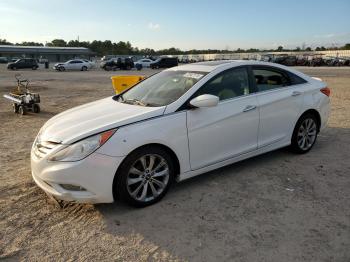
(59, 64)
(92, 118)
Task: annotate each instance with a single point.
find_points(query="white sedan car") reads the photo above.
(75, 64)
(179, 123)
(145, 62)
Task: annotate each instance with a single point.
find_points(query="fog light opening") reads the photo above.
(72, 187)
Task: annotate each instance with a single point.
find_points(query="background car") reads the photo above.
(145, 62)
(76, 64)
(108, 57)
(123, 63)
(3, 60)
(23, 63)
(164, 62)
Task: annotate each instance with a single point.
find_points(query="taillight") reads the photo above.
(326, 91)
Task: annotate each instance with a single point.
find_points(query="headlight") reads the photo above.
(82, 148)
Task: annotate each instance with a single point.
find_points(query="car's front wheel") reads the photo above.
(144, 176)
(305, 134)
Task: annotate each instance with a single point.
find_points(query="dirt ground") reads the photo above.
(275, 207)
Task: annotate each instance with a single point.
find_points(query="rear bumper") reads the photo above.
(324, 111)
(95, 174)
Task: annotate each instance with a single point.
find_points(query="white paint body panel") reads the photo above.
(221, 132)
(202, 139)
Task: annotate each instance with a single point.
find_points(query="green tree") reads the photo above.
(4, 42)
(280, 48)
(346, 46)
(57, 42)
(30, 44)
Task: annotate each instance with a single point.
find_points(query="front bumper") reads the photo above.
(95, 174)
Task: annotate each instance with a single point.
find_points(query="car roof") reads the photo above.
(209, 66)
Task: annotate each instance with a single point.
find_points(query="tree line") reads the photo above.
(108, 47)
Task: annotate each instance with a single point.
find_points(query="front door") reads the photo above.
(229, 129)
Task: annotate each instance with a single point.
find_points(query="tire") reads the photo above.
(61, 68)
(36, 108)
(84, 68)
(15, 108)
(22, 110)
(141, 187)
(14, 68)
(305, 134)
(34, 68)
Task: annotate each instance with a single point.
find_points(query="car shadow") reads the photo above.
(235, 210)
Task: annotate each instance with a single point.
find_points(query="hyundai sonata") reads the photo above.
(179, 123)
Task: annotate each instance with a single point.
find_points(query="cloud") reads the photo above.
(332, 35)
(153, 26)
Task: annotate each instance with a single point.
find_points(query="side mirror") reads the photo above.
(205, 101)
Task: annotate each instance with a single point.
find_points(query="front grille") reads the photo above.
(42, 148)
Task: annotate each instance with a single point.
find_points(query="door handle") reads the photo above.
(248, 108)
(296, 93)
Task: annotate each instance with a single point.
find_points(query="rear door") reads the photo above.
(280, 99)
(70, 65)
(229, 129)
(21, 63)
(78, 65)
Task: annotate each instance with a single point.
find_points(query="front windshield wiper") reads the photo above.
(134, 102)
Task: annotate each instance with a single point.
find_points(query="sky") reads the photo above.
(185, 24)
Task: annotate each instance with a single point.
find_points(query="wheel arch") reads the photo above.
(312, 112)
(164, 147)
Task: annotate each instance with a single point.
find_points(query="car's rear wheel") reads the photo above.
(305, 134)
(84, 68)
(15, 108)
(144, 176)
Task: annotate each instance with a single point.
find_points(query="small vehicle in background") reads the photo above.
(23, 100)
(3, 60)
(125, 63)
(164, 62)
(145, 62)
(23, 63)
(316, 60)
(75, 64)
(286, 60)
(108, 57)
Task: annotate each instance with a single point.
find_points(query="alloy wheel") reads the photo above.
(148, 177)
(307, 134)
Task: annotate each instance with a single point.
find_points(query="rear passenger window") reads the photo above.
(228, 84)
(268, 79)
(296, 80)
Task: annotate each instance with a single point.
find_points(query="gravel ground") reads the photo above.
(275, 207)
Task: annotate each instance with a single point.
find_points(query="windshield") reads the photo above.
(161, 89)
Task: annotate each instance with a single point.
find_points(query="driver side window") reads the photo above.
(228, 84)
